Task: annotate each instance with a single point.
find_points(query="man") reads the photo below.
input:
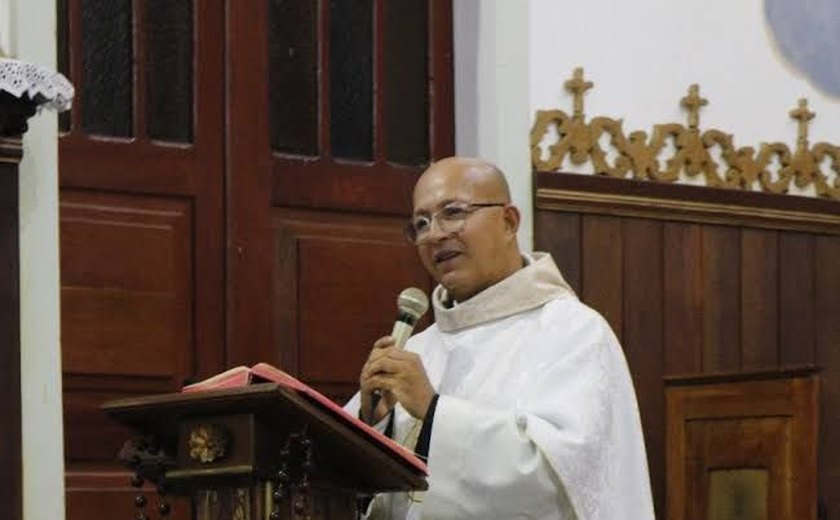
(519, 394)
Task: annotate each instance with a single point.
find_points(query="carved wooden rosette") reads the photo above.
(673, 149)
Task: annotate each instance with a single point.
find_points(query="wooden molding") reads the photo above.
(571, 192)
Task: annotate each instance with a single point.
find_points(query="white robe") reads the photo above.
(537, 416)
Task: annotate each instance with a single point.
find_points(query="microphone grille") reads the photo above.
(413, 301)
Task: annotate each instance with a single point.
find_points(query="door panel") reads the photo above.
(337, 277)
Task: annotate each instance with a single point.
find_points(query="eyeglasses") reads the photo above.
(449, 219)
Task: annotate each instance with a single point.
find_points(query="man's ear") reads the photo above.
(512, 218)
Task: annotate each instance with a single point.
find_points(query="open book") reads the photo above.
(263, 372)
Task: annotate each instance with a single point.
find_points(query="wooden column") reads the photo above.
(13, 115)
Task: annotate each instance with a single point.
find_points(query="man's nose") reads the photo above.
(435, 232)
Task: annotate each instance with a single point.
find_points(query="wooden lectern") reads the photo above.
(257, 452)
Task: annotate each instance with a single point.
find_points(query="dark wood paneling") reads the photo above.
(759, 299)
(337, 300)
(104, 494)
(827, 317)
(126, 286)
(643, 274)
(132, 268)
(749, 282)
(327, 184)
(337, 277)
(721, 264)
(796, 299)
(94, 438)
(11, 476)
(682, 288)
(127, 323)
(247, 183)
(602, 284)
(559, 234)
(442, 86)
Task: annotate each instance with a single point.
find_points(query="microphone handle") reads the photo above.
(401, 331)
(403, 327)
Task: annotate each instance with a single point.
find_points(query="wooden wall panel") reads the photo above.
(827, 318)
(721, 264)
(601, 276)
(642, 341)
(682, 317)
(559, 234)
(759, 299)
(337, 280)
(754, 289)
(796, 299)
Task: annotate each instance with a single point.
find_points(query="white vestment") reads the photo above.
(537, 416)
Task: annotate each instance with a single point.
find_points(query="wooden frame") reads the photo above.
(780, 412)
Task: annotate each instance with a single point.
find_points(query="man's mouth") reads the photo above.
(443, 256)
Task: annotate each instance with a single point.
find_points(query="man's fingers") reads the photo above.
(389, 364)
(383, 342)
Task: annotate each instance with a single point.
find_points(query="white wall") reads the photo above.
(43, 455)
(643, 55)
(512, 57)
(492, 113)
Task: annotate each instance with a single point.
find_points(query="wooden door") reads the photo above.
(234, 177)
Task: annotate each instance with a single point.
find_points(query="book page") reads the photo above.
(233, 377)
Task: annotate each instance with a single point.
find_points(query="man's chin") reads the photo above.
(455, 288)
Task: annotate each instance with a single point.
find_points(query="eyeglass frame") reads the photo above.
(410, 230)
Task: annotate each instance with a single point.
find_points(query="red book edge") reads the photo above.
(242, 375)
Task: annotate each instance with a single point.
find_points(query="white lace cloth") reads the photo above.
(50, 88)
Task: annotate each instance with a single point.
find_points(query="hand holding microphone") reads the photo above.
(392, 368)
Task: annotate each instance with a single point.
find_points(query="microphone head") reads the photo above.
(413, 301)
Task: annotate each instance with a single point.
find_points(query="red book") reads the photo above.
(263, 372)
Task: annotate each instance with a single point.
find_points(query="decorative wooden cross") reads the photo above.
(802, 116)
(693, 102)
(577, 86)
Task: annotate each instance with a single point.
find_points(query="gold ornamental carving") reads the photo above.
(674, 149)
(208, 443)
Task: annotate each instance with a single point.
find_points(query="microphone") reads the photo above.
(412, 304)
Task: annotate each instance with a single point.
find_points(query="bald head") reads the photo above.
(483, 175)
(474, 247)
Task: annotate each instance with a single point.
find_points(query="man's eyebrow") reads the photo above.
(440, 205)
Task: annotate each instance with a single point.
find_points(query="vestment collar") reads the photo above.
(528, 288)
